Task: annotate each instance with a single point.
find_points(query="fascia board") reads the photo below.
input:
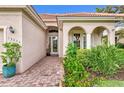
(35, 16)
(88, 18)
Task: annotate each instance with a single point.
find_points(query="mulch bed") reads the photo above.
(118, 76)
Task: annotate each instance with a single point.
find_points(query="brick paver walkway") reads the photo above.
(47, 72)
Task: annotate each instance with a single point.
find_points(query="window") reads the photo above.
(76, 39)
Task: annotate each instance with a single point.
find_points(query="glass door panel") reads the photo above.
(55, 45)
(49, 44)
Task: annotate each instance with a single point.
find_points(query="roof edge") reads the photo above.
(36, 17)
(29, 10)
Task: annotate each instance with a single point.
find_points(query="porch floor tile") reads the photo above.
(46, 73)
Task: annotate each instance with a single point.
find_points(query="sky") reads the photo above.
(52, 9)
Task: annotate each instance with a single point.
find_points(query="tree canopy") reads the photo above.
(111, 9)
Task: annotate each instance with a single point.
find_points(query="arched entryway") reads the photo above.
(100, 35)
(119, 35)
(77, 35)
(52, 40)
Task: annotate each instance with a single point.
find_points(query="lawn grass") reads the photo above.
(111, 83)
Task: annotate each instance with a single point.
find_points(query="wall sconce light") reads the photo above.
(11, 29)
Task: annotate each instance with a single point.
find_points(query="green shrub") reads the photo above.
(75, 72)
(12, 54)
(82, 57)
(105, 60)
(71, 50)
(80, 63)
(119, 45)
(120, 57)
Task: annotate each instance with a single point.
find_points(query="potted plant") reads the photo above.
(9, 59)
(48, 52)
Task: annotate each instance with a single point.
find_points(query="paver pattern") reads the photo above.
(46, 73)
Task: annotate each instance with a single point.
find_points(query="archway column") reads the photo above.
(112, 37)
(88, 40)
(60, 38)
(60, 43)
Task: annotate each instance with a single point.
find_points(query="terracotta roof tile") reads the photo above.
(53, 16)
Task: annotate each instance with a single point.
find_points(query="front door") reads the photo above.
(53, 45)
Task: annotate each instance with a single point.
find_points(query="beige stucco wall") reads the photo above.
(97, 36)
(1, 47)
(51, 24)
(33, 43)
(13, 19)
(120, 33)
(27, 33)
(121, 40)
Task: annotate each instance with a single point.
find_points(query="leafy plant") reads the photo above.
(12, 54)
(75, 73)
(71, 50)
(82, 57)
(86, 67)
(120, 57)
(105, 60)
(119, 45)
(74, 70)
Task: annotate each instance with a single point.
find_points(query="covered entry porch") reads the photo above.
(85, 33)
(52, 41)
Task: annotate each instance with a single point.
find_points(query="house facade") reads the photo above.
(84, 29)
(42, 34)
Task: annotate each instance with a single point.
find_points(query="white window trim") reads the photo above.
(5, 29)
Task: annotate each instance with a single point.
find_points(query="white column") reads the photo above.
(112, 37)
(88, 40)
(60, 43)
(65, 41)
